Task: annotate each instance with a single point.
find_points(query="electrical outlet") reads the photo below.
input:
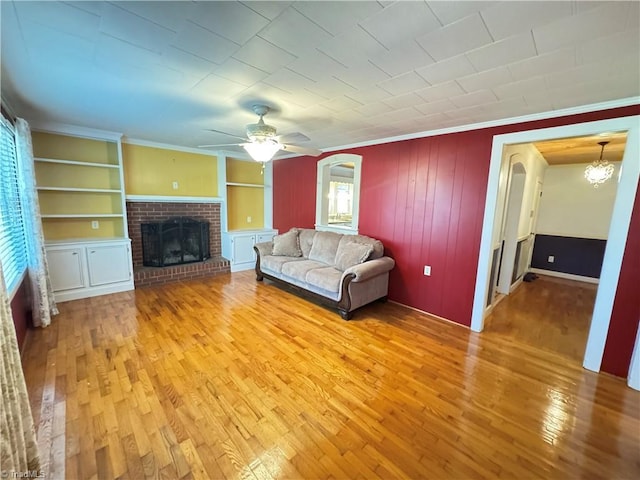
(427, 270)
(95, 225)
(175, 185)
(249, 219)
(551, 259)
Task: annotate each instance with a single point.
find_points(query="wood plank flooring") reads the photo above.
(230, 378)
(549, 313)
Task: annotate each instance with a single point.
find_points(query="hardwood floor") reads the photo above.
(230, 378)
(549, 313)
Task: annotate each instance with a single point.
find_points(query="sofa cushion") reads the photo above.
(306, 236)
(327, 278)
(352, 253)
(274, 263)
(287, 244)
(378, 248)
(299, 269)
(325, 247)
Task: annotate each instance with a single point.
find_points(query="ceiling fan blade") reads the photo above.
(293, 137)
(303, 150)
(220, 145)
(225, 133)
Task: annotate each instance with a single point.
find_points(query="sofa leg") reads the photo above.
(345, 315)
(383, 299)
(259, 277)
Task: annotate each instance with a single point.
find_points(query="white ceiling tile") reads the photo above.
(503, 52)
(166, 14)
(186, 62)
(371, 94)
(608, 47)
(88, 6)
(520, 88)
(577, 75)
(360, 74)
(448, 12)
(316, 64)
(438, 106)
(112, 50)
(240, 72)
(133, 29)
(403, 83)
(479, 97)
(339, 104)
(449, 69)
(372, 109)
(583, 27)
(455, 38)
(511, 18)
(442, 90)
(402, 58)
(486, 79)
(306, 98)
(324, 13)
(288, 80)
(201, 42)
(557, 60)
(328, 87)
(51, 45)
(402, 101)
(60, 16)
(263, 55)
(231, 20)
(294, 33)
(268, 9)
(213, 86)
(361, 46)
(415, 17)
(397, 115)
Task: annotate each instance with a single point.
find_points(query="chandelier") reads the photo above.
(600, 170)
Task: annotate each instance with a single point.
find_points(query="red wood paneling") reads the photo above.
(626, 308)
(21, 312)
(424, 199)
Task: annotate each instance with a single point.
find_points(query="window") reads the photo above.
(13, 250)
(338, 193)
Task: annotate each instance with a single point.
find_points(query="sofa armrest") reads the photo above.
(370, 268)
(264, 248)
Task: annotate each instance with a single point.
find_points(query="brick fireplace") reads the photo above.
(139, 212)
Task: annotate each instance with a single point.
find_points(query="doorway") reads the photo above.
(618, 229)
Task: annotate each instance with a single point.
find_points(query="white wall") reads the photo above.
(535, 166)
(572, 207)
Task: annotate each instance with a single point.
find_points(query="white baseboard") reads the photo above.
(93, 291)
(567, 276)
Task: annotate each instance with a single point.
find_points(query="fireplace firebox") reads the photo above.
(174, 241)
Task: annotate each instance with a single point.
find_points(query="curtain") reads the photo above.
(43, 303)
(18, 447)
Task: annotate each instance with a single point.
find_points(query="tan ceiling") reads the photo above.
(566, 151)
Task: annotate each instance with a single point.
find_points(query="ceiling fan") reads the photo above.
(262, 143)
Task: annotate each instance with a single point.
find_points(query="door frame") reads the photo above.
(618, 229)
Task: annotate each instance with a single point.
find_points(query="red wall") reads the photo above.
(21, 313)
(626, 308)
(424, 199)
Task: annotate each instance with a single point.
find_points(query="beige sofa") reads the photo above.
(342, 271)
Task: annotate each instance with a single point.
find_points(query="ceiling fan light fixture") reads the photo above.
(262, 150)
(600, 170)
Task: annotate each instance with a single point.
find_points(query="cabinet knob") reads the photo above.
(74, 253)
(93, 251)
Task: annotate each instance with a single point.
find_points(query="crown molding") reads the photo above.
(594, 107)
(74, 130)
(167, 146)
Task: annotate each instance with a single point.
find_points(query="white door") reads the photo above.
(242, 246)
(65, 268)
(108, 264)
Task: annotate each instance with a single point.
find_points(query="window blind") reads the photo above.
(13, 251)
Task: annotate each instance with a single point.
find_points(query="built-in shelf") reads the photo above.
(72, 189)
(253, 185)
(84, 215)
(75, 162)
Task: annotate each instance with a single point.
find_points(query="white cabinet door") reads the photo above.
(108, 264)
(65, 268)
(265, 237)
(242, 246)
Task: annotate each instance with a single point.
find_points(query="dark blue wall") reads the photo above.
(577, 256)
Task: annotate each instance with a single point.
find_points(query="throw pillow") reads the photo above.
(287, 244)
(350, 254)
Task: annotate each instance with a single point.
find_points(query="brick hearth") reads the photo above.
(139, 212)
